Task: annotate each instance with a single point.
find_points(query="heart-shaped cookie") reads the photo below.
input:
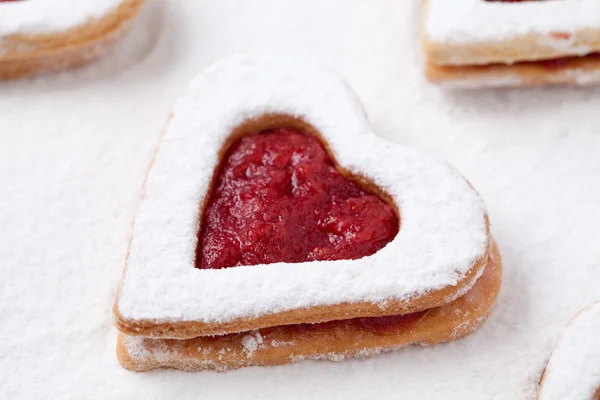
(440, 250)
(573, 372)
(41, 36)
(473, 43)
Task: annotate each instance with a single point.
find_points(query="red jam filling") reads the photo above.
(379, 325)
(555, 64)
(390, 324)
(278, 197)
(564, 62)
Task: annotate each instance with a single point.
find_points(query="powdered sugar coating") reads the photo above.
(50, 16)
(463, 21)
(136, 349)
(443, 227)
(573, 372)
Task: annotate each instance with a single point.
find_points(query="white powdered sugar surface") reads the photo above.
(50, 16)
(486, 21)
(75, 148)
(251, 342)
(442, 233)
(573, 371)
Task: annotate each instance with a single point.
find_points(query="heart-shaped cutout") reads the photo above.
(278, 197)
(439, 252)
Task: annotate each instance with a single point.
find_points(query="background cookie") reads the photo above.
(40, 36)
(475, 43)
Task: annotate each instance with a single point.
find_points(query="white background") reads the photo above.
(74, 149)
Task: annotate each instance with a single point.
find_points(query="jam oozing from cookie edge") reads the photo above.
(389, 325)
(553, 64)
(278, 197)
(558, 63)
(562, 62)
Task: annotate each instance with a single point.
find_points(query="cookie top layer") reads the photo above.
(573, 372)
(461, 21)
(443, 232)
(32, 17)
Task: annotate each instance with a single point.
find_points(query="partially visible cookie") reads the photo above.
(44, 36)
(573, 372)
(477, 43)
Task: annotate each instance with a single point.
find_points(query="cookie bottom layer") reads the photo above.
(575, 71)
(32, 55)
(281, 345)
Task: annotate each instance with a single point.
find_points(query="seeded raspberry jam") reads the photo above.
(278, 197)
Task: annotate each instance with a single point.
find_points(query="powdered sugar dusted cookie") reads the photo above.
(46, 35)
(225, 177)
(573, 372)
(334, 340)
(474, 43)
